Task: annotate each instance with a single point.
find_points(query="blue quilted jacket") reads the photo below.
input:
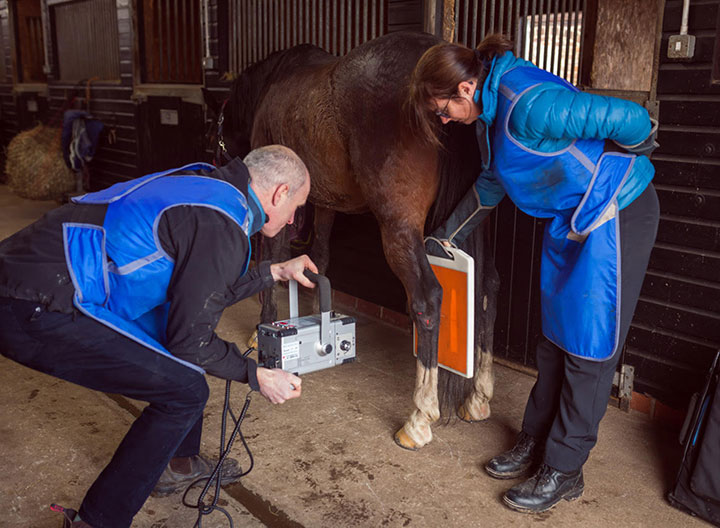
(550, 116)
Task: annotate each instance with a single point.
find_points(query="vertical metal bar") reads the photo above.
(334, 27)
(356, 25)
(531, 36)
(365, 22)
(306, 37)
(492, 16)
(579, 37)
(373, 18)
(465, 25)
(563, 42)
(573, 43)
(160, 41)
(341, 26)
(473, 33)
(483, 19)
(381, 22)
(556, 39)
(348, 28)
(519, 18)
(176, 47)
(547, 49)
(501, 12)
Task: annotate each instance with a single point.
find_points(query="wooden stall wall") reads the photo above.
(676, 330)
(8, 113)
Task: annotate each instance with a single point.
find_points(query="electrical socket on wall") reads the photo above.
(681, 47)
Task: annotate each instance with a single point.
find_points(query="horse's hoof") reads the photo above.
(403, 440)
(252, 342)
(466, 416)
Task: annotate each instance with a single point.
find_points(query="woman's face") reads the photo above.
(460, 108)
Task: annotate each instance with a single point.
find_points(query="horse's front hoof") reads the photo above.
(403, 440)
(483, 413)
(252, 342)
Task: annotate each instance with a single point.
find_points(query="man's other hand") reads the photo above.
(277, 385)
(293, 269)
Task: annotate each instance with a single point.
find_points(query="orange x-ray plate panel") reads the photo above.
(457, 315)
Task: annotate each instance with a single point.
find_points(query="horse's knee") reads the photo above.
(426, 309)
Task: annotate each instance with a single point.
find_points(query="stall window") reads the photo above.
(29, 41)
(86, 39)
(171, 41)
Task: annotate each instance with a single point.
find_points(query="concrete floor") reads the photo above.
(327, 459)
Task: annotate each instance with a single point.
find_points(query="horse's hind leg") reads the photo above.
(477, 406)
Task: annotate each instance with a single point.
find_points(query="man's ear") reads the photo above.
(280, 194)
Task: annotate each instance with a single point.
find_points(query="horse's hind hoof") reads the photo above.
(466, 416)
(403, 440)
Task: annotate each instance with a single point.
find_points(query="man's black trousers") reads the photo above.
(78, 349)
(571, 394)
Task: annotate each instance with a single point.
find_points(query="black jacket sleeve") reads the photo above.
(209, 251)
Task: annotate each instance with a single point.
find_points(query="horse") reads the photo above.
(346, 118)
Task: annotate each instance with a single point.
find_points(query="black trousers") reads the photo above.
(571, 394)
(80, 350)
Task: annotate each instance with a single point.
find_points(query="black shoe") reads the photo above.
(522, 459)
(544, 490)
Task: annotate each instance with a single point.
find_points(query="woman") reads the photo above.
(581, 161)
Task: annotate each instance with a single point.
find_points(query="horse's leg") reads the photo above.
(477, 406)
(405, 253)
(320, 250)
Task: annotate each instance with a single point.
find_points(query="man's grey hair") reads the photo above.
(274, 165)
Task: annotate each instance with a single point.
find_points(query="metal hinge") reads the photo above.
(624, 381)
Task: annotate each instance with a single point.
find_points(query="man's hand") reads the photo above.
(293, 269)
(277, 385)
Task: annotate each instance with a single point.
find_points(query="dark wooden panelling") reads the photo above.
(689, 173)
(679, 319)
(700, 265)
(702, 15)
(695, 113)
(676, 289)
(698, 144)
(682, 79)
(688, 232)
(677, 322)
(700, 204)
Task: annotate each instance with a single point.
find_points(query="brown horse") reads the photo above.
(344, 117)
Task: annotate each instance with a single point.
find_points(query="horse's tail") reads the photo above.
(459, 166)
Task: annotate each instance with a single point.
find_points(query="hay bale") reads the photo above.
(35, 167)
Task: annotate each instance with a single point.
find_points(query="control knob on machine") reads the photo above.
(345, 345)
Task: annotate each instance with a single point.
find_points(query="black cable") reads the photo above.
(216, 475)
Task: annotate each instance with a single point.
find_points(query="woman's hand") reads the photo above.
(293, 269)
(277, 385)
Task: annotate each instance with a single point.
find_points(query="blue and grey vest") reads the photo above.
(120, 270)
(577, 188)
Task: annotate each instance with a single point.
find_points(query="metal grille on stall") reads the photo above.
(171, 41)
(86, 36)
(259, 27)
(546, 32)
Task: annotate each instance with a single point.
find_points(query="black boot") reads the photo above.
(522, 459)
(544, 490)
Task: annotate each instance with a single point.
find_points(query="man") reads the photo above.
(121, 291)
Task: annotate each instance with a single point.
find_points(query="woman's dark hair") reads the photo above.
(438, 73)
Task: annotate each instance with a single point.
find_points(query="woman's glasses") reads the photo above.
(443, 113)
